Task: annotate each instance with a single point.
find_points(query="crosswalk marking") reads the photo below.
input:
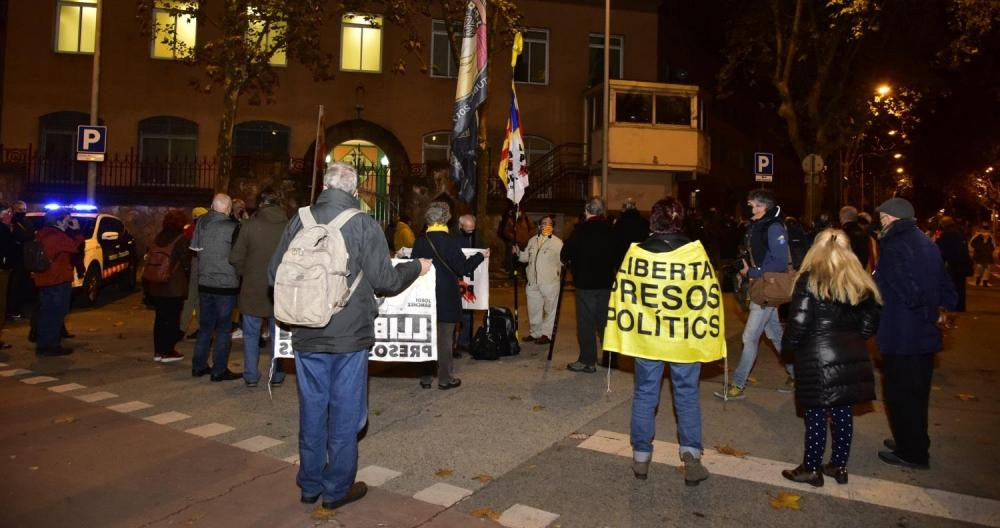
(67, 387)
(128, 407)
(14, 372)
(521, 516)
(376, 475)
(35, 380)
(167, 417)
(209, 430)
(938, 503)
(442, 494)
(256, 444)
(96, 396)
(294, 459)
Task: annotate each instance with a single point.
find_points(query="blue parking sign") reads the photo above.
(91, 142)
(763, 166)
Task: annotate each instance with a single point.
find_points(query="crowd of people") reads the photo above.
(845, 284)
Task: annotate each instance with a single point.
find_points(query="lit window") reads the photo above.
(442, 56)
(269, 36)
(175, 29)
(533, 63)
(76, 26)
(437, 147)
(597, 58)
(361, 43)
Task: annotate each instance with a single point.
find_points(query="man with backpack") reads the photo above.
(331, 358)
(218, 285)
(52, 271)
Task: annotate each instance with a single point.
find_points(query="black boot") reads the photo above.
(838, 473)
(801, 474)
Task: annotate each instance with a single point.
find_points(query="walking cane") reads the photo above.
(555, 324)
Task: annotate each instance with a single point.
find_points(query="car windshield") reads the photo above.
(87, 224)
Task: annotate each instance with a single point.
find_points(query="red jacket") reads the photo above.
(58, 247)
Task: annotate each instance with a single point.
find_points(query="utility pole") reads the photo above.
(607, 104)
(95, 87)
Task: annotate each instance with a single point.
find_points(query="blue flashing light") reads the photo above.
(83, 207)
(75, 207)
(52, 206)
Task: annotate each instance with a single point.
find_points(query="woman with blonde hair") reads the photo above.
(834, 310)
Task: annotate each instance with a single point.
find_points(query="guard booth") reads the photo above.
(657, 144)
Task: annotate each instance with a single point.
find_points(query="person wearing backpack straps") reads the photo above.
(165, 279)
(450, 264)
(60, 241)
(331, 361)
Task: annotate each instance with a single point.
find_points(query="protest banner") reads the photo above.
(405, 329)
(476, 290)
(667, 306)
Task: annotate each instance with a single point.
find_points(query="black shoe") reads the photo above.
(251, 384)
(838, 473)
(53, 352)
(228, 375)
(453, 384)
(32, 337)
(889, 444)
(193, 335)
(277, 383)
(801, 474)
(356, 492)
(425, 385)
(5, 346)
(891, 458)
(66, 335)
(308, 499)
(197, 373)
(576, 366)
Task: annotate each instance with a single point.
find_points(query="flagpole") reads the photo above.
(316, 154)
(607, 104)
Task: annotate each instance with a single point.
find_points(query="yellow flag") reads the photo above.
(667, 306)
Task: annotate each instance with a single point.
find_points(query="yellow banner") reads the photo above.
(667, 306)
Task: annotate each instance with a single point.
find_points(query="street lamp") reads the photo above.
(897, 156)
(892, 132)
(884, 89)
(899, 170)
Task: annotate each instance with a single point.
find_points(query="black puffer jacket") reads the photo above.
(826, 341)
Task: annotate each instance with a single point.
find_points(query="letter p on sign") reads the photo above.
(91, 142)
(763, 166)
(90, 136)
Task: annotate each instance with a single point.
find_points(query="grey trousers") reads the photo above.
(591, 316)
(445, 365)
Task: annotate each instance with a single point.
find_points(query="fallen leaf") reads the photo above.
(484, 478)
(323, 514)
(751, 380)
(512, 398)
(784, 500)
(376, 412)
(537, 408)
(444, 473)
(966, 397)
(33, 468)
(64, 420)
(486, 513)
(679, 469)
(119, 323)
(579, 436)
(731, 451)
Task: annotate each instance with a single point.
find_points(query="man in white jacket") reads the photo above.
(544, 266)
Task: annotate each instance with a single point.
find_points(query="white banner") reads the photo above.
(476, 292)
(405, 329)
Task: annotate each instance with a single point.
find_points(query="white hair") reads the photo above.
(222, 203)
(341, 176)
(467, 218)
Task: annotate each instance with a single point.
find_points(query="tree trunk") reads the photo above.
(224, 150)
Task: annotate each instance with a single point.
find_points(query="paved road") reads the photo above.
(523, 440)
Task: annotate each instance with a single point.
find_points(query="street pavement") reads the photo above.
(107, 437)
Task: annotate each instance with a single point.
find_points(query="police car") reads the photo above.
(109, 254)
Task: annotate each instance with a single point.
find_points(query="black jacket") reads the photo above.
(630, 227)
(859, 241)
(826, 341)
(449, 298)
(590, 253)
(353, 328)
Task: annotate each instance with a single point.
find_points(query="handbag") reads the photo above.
(774, 288)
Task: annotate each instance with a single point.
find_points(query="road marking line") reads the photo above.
(96, 396)
(256, 444)
(35, 380)
(2, 364)
(376, 475)
(167, 417)
(209, 430)
(521, 516)
(294, 459)
(889, 494)
(128, 407)
(67, 387)
(442, 494)
(14, 372)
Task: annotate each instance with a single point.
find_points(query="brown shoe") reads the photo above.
(356, 492)
(544, 340)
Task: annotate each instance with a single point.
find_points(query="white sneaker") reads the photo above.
(237, 334)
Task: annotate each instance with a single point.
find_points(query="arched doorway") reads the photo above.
(374, 150)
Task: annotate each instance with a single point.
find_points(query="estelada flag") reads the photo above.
(469, 95)
(513, 158)
(667, 306)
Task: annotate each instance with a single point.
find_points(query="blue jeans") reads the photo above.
(465, 332)
(53, 306)
(251, 349)
(760, 321)
(215, 314)
(648, 376)
(333, 408)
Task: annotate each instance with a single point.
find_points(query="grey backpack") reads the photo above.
(311, 283)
